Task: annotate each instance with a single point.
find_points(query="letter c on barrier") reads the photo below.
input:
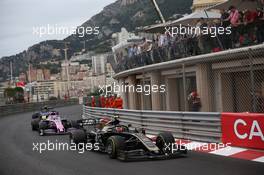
(240, 121)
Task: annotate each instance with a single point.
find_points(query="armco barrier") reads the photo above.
(200, 126)
(27, 107)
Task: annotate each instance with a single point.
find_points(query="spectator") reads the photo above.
(245, 40)
(134, 50)
(106, 101)
(93, 101)
(234, 22)
(111, 101)
(130, 51)
(139, 51)
(102, 101)
(162, 40)
(213, 42)
(200, 37)
(194, 101)
(227, 43)
(118, 102)
(260, 26)
(249, 22)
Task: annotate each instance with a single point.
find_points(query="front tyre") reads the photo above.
(36, 116)
(114, 145)
(165, 141)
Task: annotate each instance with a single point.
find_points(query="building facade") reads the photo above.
(98, 63)
(203, 4)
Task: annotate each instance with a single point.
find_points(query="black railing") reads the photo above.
(184, 47)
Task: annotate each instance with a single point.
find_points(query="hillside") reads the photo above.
(122, 13)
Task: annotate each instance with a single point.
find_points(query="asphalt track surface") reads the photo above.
(18, 158)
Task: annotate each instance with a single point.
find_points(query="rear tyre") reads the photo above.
(114, 145)
(78, 136)
(65, 124)
(35, 124)
(74, 124)
(43, 125)
(165, 141)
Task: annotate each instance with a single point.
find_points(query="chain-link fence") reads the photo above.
(232, 83)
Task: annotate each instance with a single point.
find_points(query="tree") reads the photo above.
(19, 90)
(19, 95)
(9, 92)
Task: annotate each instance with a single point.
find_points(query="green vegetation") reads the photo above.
(14, 95)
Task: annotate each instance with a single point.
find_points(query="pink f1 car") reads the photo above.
(51, 123)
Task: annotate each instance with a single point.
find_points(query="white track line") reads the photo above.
(228, 151)
(260, 159)
(194, 145)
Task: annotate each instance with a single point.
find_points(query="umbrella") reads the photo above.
(191, 19)
(188, 20)
(156, 28)
(126, 43)
(239, 4)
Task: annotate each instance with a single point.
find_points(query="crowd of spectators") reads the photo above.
(247, 28)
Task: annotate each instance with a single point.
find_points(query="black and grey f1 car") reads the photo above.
(118, 141)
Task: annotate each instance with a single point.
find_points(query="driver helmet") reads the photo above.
(44, 117)
(116, 117)
(104, 120)
(119, 129)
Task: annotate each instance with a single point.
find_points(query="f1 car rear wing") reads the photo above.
(87, 122)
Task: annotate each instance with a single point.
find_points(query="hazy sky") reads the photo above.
(19, 17)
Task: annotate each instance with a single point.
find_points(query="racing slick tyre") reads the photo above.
(78, 136)
(165, 141)
(35, 124)
(65, 124)
(114, 144)
(43, 125)
(74, 124)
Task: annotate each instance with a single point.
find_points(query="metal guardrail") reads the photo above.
(28, 107)
(200, 126)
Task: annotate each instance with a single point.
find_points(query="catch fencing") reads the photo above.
(200, 126)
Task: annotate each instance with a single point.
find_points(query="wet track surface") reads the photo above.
(18, 158)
